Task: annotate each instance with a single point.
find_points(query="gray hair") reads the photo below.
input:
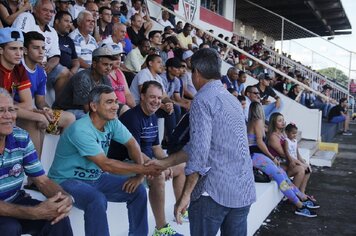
(5, 93)
(255, 112)
(95, 93)
(232, 69)
(117, 25)
(82, 14)
(208, 62)
(41, 2)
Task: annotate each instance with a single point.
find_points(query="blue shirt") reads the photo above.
(171, 86)
(232, 84)
(80, 141)
(68, 53)
(38, 80)
(19, 157)
(218, 148)
(143, 128)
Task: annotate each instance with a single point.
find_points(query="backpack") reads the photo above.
(180, 135)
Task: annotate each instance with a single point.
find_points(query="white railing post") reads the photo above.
(282, 35)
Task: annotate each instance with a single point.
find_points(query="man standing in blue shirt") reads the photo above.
(81, 167)
(219, 167)
(141, 121)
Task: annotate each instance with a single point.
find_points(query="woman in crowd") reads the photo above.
(276, 141)
(263, 160)
(119, 84)
(11, 9)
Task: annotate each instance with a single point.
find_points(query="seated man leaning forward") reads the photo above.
(141, 121)
(81, 167)
(265, 90)
(74, 97)
(339, 114)
(19, 213)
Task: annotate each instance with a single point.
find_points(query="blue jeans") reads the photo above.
(16, 227)
(77, 113)
(269, 109)
(92, 197)
(206, 217)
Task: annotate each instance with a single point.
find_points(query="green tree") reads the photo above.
(335, 75)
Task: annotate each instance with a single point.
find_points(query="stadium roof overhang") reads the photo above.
(323, 17)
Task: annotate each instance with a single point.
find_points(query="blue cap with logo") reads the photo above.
(8, 35)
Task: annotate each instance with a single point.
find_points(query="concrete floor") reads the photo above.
(335, 190)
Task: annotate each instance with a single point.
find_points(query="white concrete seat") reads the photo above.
(268, 196)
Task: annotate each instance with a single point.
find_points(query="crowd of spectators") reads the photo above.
(103, 61)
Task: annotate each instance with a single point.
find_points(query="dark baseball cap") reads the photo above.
(264, 76)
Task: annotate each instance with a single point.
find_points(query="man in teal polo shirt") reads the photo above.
(83, 169)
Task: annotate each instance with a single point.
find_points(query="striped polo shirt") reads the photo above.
(83, 49)
(19, 157)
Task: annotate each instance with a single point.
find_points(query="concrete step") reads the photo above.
(307, 148)
(323, 158)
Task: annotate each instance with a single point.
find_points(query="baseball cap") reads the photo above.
(174, 62)
(113, 47)
(264, 76)
(103, 52)
(9, 34)
(187, 54)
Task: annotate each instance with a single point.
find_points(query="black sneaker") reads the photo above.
(304, 211)
(310, 204)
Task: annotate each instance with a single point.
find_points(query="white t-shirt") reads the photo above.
(109, 40)
(165, 23)
(141, 77)
(132, 11)
(74, 10)
(26, 22)
(292, 147)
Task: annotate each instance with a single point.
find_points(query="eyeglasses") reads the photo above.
(12, 110)
(256, 93)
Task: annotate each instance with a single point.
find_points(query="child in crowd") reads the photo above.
(242, 100)
(291, 147)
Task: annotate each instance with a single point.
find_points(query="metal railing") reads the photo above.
(233, 47)
(305, 55)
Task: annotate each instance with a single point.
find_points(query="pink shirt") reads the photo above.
(118, 83)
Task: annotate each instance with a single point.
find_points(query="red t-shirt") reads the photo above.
(16, 79)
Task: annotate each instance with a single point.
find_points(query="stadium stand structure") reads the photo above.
(308, 120)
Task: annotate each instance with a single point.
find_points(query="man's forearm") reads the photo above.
(175, 159)
(28, 115)
(119, 167)
(83, 64)
(51, 63)
(47, 187)
(190, 182)
(16, 211)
